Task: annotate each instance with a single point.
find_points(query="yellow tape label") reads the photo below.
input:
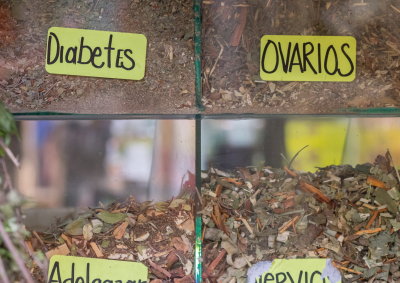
(312, 270)
(69, 269)
(95, 53)
(308, 58)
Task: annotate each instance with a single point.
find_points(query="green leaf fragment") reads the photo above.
(110, 218)
(75, 228)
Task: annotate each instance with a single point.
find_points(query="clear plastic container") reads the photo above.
(168, 84)
(300, 187)
(232, 32)
(111, 189)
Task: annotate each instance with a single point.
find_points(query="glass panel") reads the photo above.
(301, 187)
(232, 32)
(90, 184)
(168, 85)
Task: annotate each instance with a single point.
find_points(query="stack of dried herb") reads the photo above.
(232, 30)
(349, 214)
(160, 235)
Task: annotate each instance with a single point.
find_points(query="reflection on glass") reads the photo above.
(168, 85)
(228, 144)
(83, 163)
(232, 31)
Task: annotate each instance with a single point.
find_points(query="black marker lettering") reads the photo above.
(49, 61)
(126, 53)
(88, 272)
(69, 51)
(109, 48)
(56, 268)
(349, 59)
(300, 276)
(296, 53)
(278, 280)
(313, 274)
(72, 278)
(328, 51)
(107, 281)
(319, 59)
(62, 54)
(81, 48)
(263, 58)
(285, 63)
(96, 53)
(290, 277)
(305, 55)
(271, 277)
(118, 63)
(96, 280)
(80, 280)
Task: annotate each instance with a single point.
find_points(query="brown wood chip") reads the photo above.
(60, 250)
(96, 249)
(120, 230)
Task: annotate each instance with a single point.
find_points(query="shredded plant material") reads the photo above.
(160, 235)
(168, 85)
(232, 30)
(348, 214)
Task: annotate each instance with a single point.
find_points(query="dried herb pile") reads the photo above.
(168, 86)
(349, 214)
(160, 235)
(232, 30)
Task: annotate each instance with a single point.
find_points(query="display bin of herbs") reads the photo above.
(168, 83)
(231, 36)
(347, 214)
(160, 235)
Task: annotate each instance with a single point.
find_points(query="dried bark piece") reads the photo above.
(172, 258)
(237, 33)
(60, 250)
(370, 231)
(96, 249)
(316, 192)
(67, 240)
(159, 268)
(120, 230)
(215, 262)
(376, 183)
(186, 279)
(179, 244)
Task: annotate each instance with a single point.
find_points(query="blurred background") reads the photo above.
(67, 165)
(227, 144)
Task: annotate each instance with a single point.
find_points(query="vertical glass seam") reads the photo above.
(197, 54)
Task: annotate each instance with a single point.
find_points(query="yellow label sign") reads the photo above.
(69, 269)
(95, 53)
(312, 270)
(308, 58)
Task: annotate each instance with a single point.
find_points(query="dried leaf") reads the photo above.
(87, 231)
(110, 218)
(142, 237)
(75, 228)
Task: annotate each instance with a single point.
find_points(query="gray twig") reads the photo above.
(9, 153)
(15, 254)
(3, 273)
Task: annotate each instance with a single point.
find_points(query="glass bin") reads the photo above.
(166, 86)
(109, 189)
(269, 56)
(300, 187)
